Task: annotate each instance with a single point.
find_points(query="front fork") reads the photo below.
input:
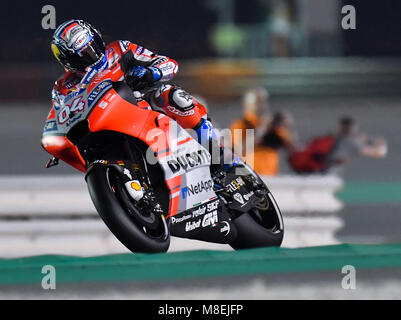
(130, 176)
(137, 187)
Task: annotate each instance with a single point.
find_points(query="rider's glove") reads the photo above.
(139, 76)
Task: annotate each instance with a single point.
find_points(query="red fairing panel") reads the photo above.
(62, 148)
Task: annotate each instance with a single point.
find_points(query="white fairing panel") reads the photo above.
(191, 161)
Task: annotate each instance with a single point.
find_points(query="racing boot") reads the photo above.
(222, 158)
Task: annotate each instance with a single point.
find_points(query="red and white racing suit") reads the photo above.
(167, 98)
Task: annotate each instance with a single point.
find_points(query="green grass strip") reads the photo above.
(198, 264)
(371, 193)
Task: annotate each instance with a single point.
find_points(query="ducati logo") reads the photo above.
(188, 160)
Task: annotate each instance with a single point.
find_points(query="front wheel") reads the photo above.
(262, 226)
(137, 230)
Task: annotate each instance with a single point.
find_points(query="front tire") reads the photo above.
(261, 227)
(127, 229)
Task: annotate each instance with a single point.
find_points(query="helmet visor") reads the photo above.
(89, 55)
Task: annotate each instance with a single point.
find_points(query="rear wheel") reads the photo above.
(140, 229)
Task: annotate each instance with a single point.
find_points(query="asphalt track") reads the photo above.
(266, 273)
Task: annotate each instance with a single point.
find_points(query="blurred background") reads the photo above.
(296, 49)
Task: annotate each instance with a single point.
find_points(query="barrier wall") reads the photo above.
(54, 214)
(67, 195)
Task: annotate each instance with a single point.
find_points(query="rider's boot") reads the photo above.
(222, 158)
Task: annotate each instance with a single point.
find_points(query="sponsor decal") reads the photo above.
(209, 219)
(239, 198)
(166, 66)
(76, 28)
(197, 188)
(136, 186)
(134, 189)
(110, 96)
(96, 92)
(206, 208)
(204, 215)
(80, 41)
(180, 219)
(225, 228)
(179, 112)
(198, 212)
(213, 205)
(139, 50)
(50, 125)
(236, 184)
(189, 160)
(103, 105)
(159, 61)
(71, 95)
(70, 84)
(248, 195)
(100, 161)
(192, 225)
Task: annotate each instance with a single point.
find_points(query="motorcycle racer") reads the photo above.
(80, 49)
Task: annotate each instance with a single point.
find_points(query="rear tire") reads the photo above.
(118, 220)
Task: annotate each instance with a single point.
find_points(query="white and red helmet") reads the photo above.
(77, 45)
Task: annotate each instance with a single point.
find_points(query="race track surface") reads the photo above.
(173, 275)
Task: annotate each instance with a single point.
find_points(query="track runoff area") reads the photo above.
(264, 273)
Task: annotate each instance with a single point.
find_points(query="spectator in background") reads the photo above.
(328, 153)
(277, 137)
(281, 25)
(348, 143)
(270, 135)
(255, 114)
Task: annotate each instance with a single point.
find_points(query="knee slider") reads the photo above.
(180, 99)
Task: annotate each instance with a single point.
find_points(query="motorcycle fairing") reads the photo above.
(185, 162)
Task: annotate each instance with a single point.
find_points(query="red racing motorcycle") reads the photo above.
(149, 179)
